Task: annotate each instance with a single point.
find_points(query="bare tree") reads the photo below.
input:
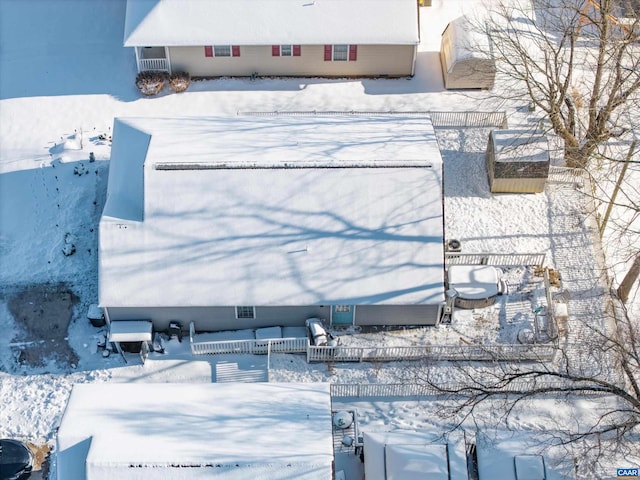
(575, 60)
(605, 367)
(578, 63)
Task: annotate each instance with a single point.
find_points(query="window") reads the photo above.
(245, 312)
(285, 50)
(340, 53)
(343, 308)
(222, 50)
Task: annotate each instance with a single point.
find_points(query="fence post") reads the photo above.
(268, 359)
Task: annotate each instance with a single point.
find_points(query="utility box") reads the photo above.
(517, 161)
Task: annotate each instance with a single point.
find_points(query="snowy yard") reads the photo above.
(59, 92)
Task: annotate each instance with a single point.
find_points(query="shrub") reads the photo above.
(179, 81)
(151, 82)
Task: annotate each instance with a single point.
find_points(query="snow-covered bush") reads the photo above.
(179, 81)
(151, 82)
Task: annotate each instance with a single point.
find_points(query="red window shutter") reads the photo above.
(296, 50)
(275, 50)
(327, 53)
(208, 51)
(235, 50)
(353, 53)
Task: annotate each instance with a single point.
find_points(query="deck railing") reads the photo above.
(507, 352)
(255, 346)
(495, 259)
(154, 64)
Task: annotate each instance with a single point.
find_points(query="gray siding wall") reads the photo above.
(212, 319)
(396, 315)
(372, 60)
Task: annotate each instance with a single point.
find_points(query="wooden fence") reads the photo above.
(463, 119)
(495, 259)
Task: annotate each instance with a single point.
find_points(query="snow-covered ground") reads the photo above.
(64, 76)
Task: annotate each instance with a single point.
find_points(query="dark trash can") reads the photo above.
(96, 316)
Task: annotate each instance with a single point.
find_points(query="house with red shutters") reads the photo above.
(298, 38)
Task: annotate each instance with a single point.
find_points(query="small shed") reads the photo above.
(517, 161)
(465, 56)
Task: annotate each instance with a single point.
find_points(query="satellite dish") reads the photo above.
(342, 420)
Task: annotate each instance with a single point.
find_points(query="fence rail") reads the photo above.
(154, 64)
(508, 352)
(355, 390)
(464, 119)
(495, 259)
(469, 119)
(256, 347)
(566, 175)
(250, 346)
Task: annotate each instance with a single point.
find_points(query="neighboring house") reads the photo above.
(253, 221)
(196, 431)
(412, 455)
(328, 38)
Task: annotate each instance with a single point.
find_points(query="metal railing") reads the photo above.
(507, 352)
(464, 119)
(154, 64)
(416, 390)
(495, 259)
(469, 119)
(574, 176)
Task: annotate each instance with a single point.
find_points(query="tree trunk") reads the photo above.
(629, 279)
(574, 157)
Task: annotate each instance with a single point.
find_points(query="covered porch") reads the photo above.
(153, 59)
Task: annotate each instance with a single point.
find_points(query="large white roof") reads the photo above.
(180, 431)
(266, 22)
(231, 218)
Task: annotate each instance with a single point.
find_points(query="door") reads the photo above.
(342, 314)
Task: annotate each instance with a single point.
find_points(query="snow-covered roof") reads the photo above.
(473, 281)
(520, 146)
(502, 453)
(230, 218)
(179, 431)
(250, 22)
(408, 455)
(467, 41)
(130, 331)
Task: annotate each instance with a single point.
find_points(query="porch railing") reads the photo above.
(495, 259)
(155, 64)
(257, 347)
